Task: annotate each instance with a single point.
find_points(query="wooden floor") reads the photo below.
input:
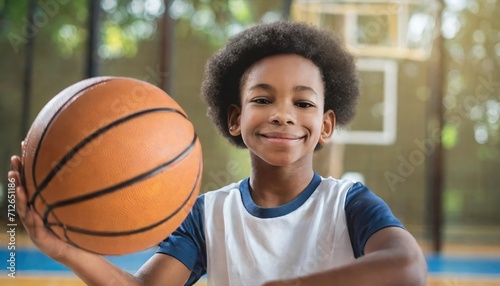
(462, 282)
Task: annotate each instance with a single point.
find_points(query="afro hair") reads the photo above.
(225, 69)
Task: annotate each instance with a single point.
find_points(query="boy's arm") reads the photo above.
(392, 257)
(95, 270)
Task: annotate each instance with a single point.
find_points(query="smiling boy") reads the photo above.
(278, 90)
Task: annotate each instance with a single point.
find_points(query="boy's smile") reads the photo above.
(281, 117)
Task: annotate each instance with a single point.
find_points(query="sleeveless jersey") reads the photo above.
(236, 242)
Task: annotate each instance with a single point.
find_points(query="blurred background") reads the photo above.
(425, 138)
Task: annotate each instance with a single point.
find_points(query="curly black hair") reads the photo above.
(225, 69)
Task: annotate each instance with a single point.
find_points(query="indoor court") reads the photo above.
(425, 137)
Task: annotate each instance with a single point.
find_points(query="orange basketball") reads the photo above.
(112, 165)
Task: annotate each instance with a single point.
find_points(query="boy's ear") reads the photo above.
(233, 119)
(328, 127)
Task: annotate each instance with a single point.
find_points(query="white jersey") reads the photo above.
(235, 242)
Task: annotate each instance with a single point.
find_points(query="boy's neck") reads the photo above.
(276, 186)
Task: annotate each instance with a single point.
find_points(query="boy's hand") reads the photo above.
(41, 236)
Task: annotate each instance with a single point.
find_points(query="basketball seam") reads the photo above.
(131, 232)
(138, 230)
(53, 172)
(123, 184)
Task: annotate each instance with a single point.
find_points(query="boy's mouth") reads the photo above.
(282, 136)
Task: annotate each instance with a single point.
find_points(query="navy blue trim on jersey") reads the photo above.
(366, 214)
(187, 244)
(285, 209)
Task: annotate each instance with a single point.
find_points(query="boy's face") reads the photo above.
(281, 117)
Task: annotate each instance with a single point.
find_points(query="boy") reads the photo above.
(279, 90)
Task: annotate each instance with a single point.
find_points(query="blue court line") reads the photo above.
(463, 265)
(32, 260)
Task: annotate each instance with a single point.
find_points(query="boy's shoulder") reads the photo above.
(332, 189)
(225, 189)
(337, 183)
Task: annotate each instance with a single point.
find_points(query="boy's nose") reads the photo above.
(281, 117)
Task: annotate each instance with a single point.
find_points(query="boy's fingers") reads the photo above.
(29, 222)
(37, 222)
(15, 163)
(14, 175)
(20, 194)
(21, 203)
(35, 225)
(27, 215)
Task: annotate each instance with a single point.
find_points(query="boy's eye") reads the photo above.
(303, 104)
(261, 101)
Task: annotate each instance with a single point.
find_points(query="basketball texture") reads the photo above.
(112, 165)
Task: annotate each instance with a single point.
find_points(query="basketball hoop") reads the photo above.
(397, 29)
(380, 33)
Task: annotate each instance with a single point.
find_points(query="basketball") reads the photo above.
(112, 165)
